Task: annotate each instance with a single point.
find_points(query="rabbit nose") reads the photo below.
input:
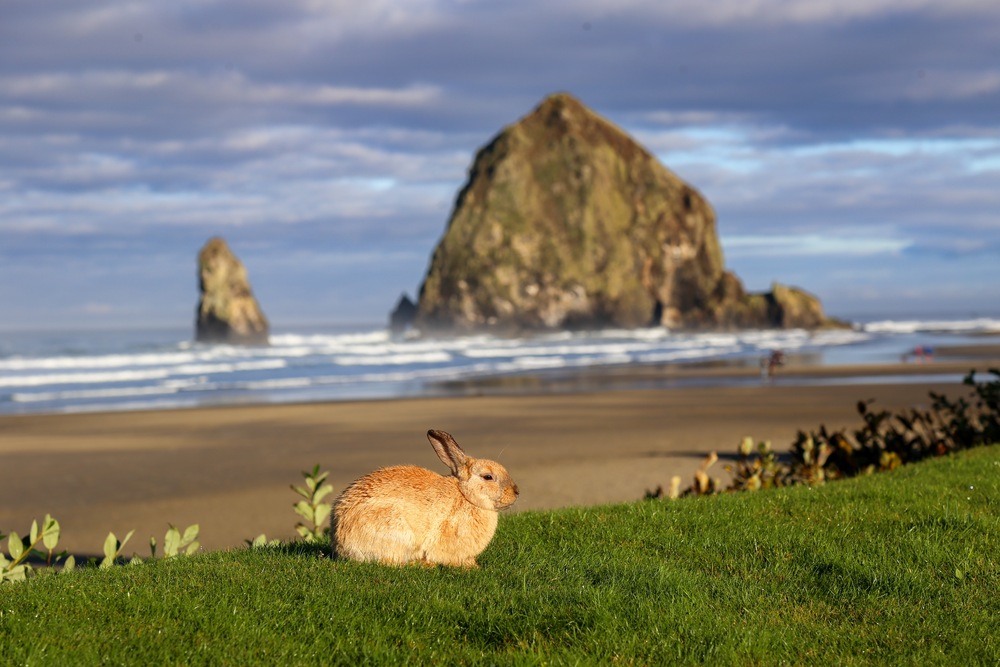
(516, 492)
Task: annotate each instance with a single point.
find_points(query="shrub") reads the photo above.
(884, 441)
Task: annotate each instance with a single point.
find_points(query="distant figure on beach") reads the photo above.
(921, 353)
(771, 362)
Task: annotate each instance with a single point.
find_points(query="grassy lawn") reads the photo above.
(898, 568)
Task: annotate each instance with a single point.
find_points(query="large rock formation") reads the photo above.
(227, 311)
(567, 222)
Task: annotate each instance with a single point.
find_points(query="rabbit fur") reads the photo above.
(408, 514)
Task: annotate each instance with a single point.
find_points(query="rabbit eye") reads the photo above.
(488, 478)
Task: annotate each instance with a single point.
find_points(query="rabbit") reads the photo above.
(407, 514)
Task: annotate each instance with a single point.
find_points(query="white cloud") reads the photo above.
(783, 12)
(213, 87)
(846, 243)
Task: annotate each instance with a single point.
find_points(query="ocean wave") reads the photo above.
(165, 372)
(103, 361)
(137, 375)
(547, 351)
(399, 376)
(977, 325)
(317, 340)
(687, 355)
(109, 361)
(394, 359)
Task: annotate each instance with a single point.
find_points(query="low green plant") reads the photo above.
(177, 544)
(261, 541)
(113, 549)
(311, 507)
(15, 565)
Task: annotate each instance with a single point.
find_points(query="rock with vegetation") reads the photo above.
(227, 311)
(567, 222)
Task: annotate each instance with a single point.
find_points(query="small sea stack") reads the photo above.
(402, 316)
(227, 311)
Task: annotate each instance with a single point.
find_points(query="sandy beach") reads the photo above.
(587, 439)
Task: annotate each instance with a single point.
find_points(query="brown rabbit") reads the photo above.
(407, 514)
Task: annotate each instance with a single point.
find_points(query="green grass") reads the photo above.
(898, 568)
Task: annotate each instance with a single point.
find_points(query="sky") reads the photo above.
(849, 147)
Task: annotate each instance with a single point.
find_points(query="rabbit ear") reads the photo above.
(447, 450)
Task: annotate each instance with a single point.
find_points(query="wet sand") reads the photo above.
(581, 439)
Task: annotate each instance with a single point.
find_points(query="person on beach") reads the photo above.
(921, 353)
(769, 363)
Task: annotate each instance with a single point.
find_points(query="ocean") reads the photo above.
(51, 372)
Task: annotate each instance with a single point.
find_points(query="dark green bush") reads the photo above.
(884, 441)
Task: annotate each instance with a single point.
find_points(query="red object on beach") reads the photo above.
(770, 362)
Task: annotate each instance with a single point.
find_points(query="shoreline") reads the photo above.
(799, 370)
(585, 438)
(124, 373)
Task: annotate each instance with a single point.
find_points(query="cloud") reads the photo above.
(848, 243)
(785, 12)
(214, 88)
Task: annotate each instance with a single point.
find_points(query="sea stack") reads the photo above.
(227, 311)
(567, 222)
(402, 316)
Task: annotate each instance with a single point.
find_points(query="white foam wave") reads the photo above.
(687, 355)
(324, 340)
(375, 363)
(110, 361)
(835, 337)
(137, 375)
(652, 333)
(104, 361)
(977, 325)
(532, 363)
(549, 350)
(398, 359)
